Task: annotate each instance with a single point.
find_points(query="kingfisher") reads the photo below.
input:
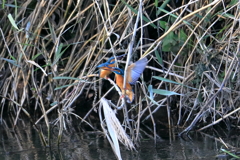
(106, 68)
(133, 73)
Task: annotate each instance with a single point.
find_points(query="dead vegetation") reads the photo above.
(50, 50)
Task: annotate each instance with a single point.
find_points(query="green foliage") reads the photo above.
(14, 62)
(161, 8)
(151, 97)
(69, 78)
(3, 4)
(169, 42)
(12, 21)
(150, 90)
(160, 91)
(231, 154)
(65, 86)
(159, 58)
(172, 41)
(170, 81)
(232, 3)
(165, 92)
(36, 56)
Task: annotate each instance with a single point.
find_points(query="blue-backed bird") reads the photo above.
(133, 73)
(105, 69)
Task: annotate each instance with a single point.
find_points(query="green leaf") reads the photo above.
(165, 11)
(71, 78)
(233, 2)
(59, 53)
(11, 61)
(233, 155)
(158, 57)
(64, 86)
(156, 3)
(152, 100)
(165, 80)
(163, 24)
(13, 58)
(169, 41)
(34, 57)
(165, 92)
(164, 4)
(54, 103)
(3, 4)
(227, 15)
(183, 37)
(150, 90)
(12, 21)
(170, 81)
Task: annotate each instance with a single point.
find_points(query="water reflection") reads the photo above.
(23, 142)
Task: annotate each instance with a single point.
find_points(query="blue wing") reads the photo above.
(135, 70)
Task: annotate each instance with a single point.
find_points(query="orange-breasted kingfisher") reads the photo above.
(133, 73)
(105, 69)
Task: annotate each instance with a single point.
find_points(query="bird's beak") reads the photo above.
(128, 100)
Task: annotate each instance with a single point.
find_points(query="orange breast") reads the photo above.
(104, 72)
(128, 90)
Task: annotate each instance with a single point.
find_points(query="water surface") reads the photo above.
(23, 143)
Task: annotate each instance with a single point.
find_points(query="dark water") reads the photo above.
(23, 143)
